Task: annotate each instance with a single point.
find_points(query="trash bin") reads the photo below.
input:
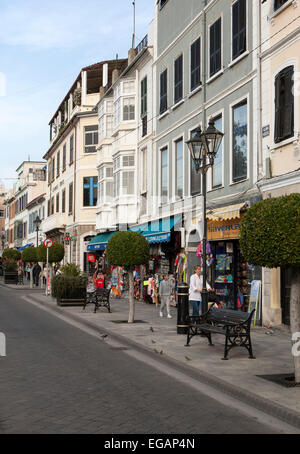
(182, 308)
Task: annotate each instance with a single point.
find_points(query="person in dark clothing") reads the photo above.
(36, 274)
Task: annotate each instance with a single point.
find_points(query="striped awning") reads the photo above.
(224, 213)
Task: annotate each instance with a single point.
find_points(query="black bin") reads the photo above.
(182, 308)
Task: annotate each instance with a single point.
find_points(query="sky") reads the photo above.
(43, 46)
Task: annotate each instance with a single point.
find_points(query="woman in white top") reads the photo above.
(196, 285)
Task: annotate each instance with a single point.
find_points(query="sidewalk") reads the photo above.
(238, 376)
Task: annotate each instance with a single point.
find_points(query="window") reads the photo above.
(239, 28)
(64, 157)
(164, 174)
(128, 87)
(57, 203)
(128, 109)
(52, 205)
(53, 169)
(240, 141)
(128, 161)
(144, 97)
(278, 4)
(163, 92)
(215, 48)
(144, 172)
(128, 183)
(117, 163)
(71, 149)
(70, 198)
(109, 190)
(217, 179)
(101, 191)
(178, 79)
(1, 213)
(284, 105)
(117, 184)
(101, 173)
(179, 169)
(109, 172)
(90, 187)
(195, 64)
(91, 138)
(63, 201)
(58, 164)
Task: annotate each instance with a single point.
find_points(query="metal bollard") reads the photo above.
(183, 308)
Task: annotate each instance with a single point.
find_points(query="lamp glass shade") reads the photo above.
(37, 222)
(195, 145)
(212, 139)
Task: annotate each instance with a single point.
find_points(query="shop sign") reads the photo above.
(160, 238)
(91, 258)
(223, 230)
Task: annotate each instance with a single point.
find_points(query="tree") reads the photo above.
(270, 237)
(56, 253)
(13, 254)
(128, 249)
(30, 255)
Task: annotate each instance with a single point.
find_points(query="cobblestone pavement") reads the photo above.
(58, 379)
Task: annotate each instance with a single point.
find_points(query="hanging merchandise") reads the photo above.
(209, 255)
(181, 266)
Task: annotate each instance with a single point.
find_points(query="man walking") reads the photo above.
(36, 274)
(196, 285)
(165, 295)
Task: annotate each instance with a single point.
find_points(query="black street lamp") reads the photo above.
(203, 147)
(37, 222)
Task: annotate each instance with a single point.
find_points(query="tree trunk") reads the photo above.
(295, 320)
(131, 298)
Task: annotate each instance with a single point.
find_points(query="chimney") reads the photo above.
(132, 53)
(102, 91)
(115, 75)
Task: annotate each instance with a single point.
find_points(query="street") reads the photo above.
(59, 379)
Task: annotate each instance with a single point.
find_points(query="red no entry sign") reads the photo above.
(48, 243)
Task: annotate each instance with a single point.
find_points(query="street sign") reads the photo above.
(48, 243)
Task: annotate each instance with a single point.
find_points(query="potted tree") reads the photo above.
(270, 237)
(69, 286)
(10, 258)
(128, 249)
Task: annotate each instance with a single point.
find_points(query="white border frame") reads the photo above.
(210, 78)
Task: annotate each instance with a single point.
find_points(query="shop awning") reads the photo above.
(99, 242)
(25, 247)
(224, 213)
(158, 231)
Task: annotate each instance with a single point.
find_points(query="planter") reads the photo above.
(10, 278)
(71, 302)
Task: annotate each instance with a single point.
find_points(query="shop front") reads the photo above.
(228, 272)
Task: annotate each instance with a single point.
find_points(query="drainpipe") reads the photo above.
(259, 92)
(74, 184)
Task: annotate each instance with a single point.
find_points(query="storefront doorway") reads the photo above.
(286, 279)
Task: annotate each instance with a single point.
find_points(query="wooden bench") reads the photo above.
(100, 298)
(234, 325)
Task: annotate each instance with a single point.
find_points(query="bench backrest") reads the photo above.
(103, 292)
(227, 315)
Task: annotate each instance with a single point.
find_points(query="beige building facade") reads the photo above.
(280, 123)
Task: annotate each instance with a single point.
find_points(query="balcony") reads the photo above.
(142, 44)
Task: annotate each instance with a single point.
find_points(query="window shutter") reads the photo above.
(212, 50)
(235, 30)
(288, 118)
(278, 134)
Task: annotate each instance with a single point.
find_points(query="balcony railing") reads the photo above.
(142, 44)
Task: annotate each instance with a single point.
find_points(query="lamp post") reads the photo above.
(203, 146)
(37, 222)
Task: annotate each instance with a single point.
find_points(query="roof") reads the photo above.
(37, 199)
(93, 67)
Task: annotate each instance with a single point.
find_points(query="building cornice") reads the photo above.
(280, 181)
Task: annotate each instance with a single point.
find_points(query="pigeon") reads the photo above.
(155, 350)
(151, 329)
(153, 342)
(161, 352)
(103, 336)
(187, 358)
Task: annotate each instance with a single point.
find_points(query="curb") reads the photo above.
(247, 397)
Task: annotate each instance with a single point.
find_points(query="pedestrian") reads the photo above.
(165, 290)
(100, 281)
(36, 274)
(196, 286)
(28, 271)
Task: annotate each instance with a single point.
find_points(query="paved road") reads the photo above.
(59, 379)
